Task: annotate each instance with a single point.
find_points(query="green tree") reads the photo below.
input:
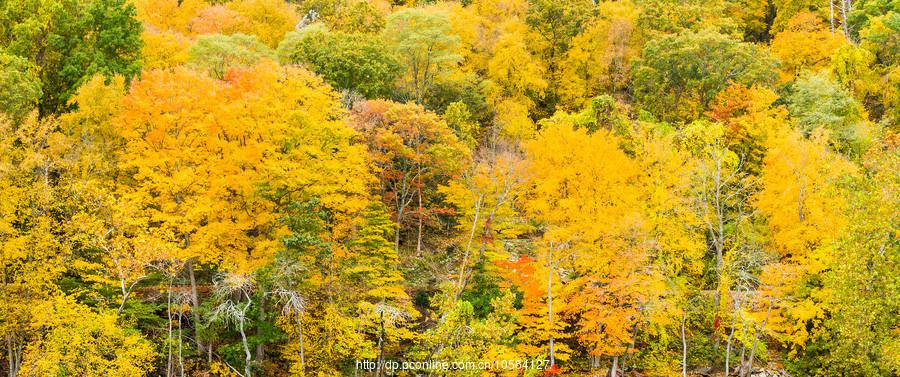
(660, 17)
(679, 75)
(422, 40)
(863, 283)
(356, 62)
(557, 22)
(69, 41)
(20, 87)
(817, 101)
(218, 53)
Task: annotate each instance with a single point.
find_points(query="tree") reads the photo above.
(415, 152)
(601, 55)
(348, 16)
(804, 216)
(459, 119)
(556, 22)
(749, 116)
(787, 10)
(218, 53)
(592, 219)
(805, 45)
(513, 66)
(818, 102)
(268, 20)
(164, 49)
(169, 15)
(232, 290)
(32, 257)
(862, 300)
(659, 18)
(358, 63)
(20, 85)
(68, 41)
(75, 340)
(422, 41)
(212, 165)
(679, 75)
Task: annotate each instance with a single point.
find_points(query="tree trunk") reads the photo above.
(550, 302)
(831, 15)
(247, 357)
(844, 10)
(381, 347)
(180, 337)
(14, 354)
(421, 221)
(731, 334)
(169, 365)
(756, 338)
(302, 352)
(261, 347)
(615, 367)
(465, 262)
(683, 346)
(195, 303)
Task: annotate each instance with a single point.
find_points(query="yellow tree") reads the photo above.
(113, 250)
(804, 213)
(74, 340)
(213, 162)
(806, 44)
(513, 66)
(163, 48)
(169, 15)
(600, 57)
(590, 211)
(32, 254)
(749, 116)
(268, 20)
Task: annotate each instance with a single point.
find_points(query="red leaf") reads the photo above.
(552, 371)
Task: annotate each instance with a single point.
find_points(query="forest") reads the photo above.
(620, 188)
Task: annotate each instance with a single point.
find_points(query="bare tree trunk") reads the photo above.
(463, 268)
(421, 221)
(9, 357)
(844, 11)
(169, 365)
(381, 347)
(743, 347)
(14, 355)
(615, 367)
(731, 334)
(195, 302)
(756, 337)
(683, 345)
(831, 15)
(302, 352)
(247, 357)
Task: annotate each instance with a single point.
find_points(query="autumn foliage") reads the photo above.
(581, 188)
